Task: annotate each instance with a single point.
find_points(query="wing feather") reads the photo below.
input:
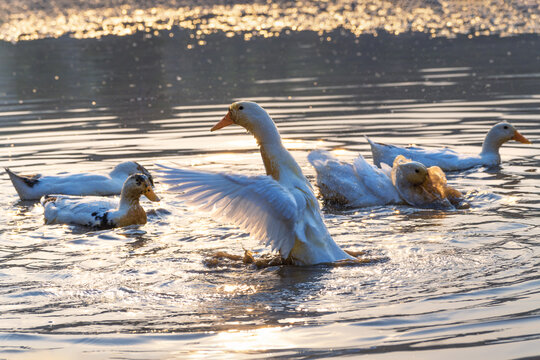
(258, 205)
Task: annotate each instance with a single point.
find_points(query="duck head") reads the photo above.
(413, 172)
(128, 168)
(504, 132)
(137, 185)
(408, 172)
(253, 118)
(498, 135)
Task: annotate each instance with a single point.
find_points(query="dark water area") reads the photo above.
(451, 283)
(141, 78)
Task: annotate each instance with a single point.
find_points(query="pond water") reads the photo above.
(449, 282)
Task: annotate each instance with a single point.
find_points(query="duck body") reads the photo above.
(99, 212)
(35, 186)
(280, 208)
(423, 187)
(313, 243)
(352, 185)
(447, 159)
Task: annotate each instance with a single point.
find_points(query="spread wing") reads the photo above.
(258, 205)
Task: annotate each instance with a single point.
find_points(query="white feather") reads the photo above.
(75, 184)
(279, 209)
(258, 205)
(85, 211)
(447, 159)
(356, 185)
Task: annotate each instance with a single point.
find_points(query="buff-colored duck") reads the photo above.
(99, 212)
(449, 160)
(423, 187)
(33, 187)
(279, 209)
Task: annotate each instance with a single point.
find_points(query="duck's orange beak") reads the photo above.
(151, 195)
(226, 121)
(522, 139)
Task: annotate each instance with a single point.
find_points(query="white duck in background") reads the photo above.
(279, 209)
(423, 187)
(35, 186)
(99, 212)
(450, 160)
(352, 185)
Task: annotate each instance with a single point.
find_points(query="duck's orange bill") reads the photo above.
(522, 139)
(151, 195)
(226, 121)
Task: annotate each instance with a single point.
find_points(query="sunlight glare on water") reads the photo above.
(444, 282)
(267, 19)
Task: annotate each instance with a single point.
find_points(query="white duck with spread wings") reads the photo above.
(279, 209)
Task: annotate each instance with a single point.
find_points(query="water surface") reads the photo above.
(451, 283)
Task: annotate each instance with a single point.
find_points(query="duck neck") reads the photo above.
(265, 132)
(491, 145)
(128, 199)
(277, 160)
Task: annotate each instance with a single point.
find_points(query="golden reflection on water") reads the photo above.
(510, 200)
(251, 341)
(237, 289)
(442, 18)
(342, 152)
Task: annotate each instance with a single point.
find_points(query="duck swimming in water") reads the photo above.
(449, 160)
(361, 184)
(423, 187)
(33, 187)
(279, 209)
(99, 212)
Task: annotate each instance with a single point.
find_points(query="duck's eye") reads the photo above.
(240, 107)
(416, 171)
(505, 126)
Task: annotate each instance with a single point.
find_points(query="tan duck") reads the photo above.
(423, 187)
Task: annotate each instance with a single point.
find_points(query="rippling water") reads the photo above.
(450, 282)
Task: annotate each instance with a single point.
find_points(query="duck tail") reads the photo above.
(47, 198)
(374, 151)
(371, 142)
(22, 184)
